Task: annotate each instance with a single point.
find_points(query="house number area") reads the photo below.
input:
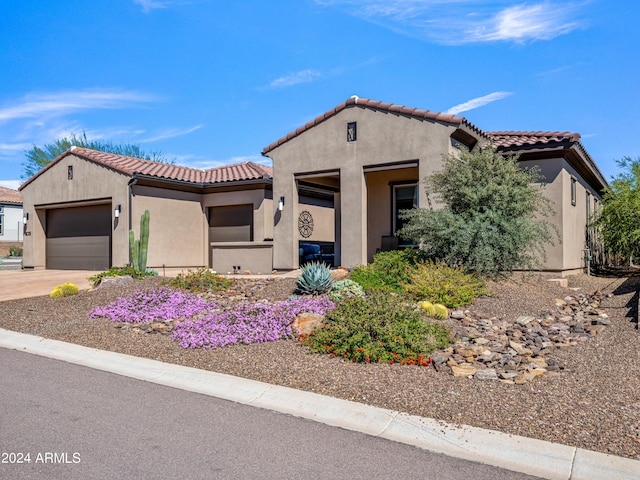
(16, 458)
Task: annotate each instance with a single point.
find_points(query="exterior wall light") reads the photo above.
(281, 204)
(25, 219)
(116, 212)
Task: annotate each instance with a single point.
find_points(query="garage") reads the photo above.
(79, 238)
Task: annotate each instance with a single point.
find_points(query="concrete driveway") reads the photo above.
(33, 283)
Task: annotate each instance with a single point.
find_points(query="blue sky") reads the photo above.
(212, 82)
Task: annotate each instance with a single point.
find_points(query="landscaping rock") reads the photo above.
(308, 322)
(115, 281)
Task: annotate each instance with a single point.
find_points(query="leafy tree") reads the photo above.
(492, 215)
(40, 157)
(618, 221)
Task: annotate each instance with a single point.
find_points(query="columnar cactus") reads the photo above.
(139, 248)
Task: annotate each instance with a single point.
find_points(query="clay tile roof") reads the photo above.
(137, 166)
(8, 195)
(381, 106)
(521, 139)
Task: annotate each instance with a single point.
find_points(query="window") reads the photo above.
(588, 205)
(231, 223)
(70, 172)
(1, 221)
(405, 197)
(573, 191)
(352, 131)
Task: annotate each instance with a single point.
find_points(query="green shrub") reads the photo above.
(201, 280)
(314, 279)
(344, 289)
(64, 290)
(15, 251)
(378, 328)
(121, 272)
(439, 283)
(389, 271)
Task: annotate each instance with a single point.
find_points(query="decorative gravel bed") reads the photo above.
(594, 403)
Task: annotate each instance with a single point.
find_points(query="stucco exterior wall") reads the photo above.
(177, 226)
(11, 223)
(381, 138)
(90, 182)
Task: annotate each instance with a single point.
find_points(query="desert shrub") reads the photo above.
(345, 289)
(64, 290)
(15, 251)
(121, 272)
(314, 279)
(389, 271)
(201, 280)
(439, 283)
(437, 310)
(378, 328)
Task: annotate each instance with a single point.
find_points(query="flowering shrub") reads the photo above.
(201, 280)
(247, 323)
(153, 305)
(378, 328)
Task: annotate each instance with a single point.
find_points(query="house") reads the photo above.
(335, 192)
(372, 156)
(11, 220)
(82, 205)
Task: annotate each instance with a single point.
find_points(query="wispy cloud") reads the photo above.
(478, 102)
(295, 78)
(63, 103)
(171, 133)
(456, 22)
(150, 5)
(205, 164)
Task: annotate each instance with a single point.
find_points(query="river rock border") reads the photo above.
(517, 351)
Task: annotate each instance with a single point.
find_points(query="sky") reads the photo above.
(213, 82)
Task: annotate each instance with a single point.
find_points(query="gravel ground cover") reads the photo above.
(594, 403)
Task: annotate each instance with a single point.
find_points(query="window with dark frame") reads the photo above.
(405, 197)
(70, 172)
(588, 202)
(1, 220)
(573, 191)
(352, 131)
(231, 223)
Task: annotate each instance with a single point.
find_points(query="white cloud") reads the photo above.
(13, 184)
(206, 164)
(455, 22)
(150, 5)
(171, 133)
(478, 102)
(303, 76)
(62, 103)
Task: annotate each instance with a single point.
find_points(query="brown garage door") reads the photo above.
(79, 238)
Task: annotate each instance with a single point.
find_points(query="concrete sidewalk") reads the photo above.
(16, 284)
(520, 454)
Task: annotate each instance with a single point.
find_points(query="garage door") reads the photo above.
(79, 238)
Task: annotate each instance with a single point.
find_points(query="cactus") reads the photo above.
(437, 311)
(64, 290)
(315, 278)
(139, 248)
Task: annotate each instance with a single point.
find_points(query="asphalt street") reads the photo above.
(75, 422)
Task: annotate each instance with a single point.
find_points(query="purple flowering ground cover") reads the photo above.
(247, 323)
(159, 304)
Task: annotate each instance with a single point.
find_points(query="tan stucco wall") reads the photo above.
(255, 257)
(382, 138)
(379, 199)
(90, 182)
(323, 221)
(177, 226)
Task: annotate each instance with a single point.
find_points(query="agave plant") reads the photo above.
(314, 279)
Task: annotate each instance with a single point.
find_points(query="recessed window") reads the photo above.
(573, 191)
(405, 197)
(70, 172)
(1, 221)
(588, 205)
(231, 223)
(352, 131)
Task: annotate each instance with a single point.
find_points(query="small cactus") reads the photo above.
(437, 311)
(314, 279)
(428, 308)
(64, 290)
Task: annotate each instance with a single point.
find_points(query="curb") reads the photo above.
(526, 455)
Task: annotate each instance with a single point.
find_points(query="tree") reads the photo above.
(40, 157)
(492, 215)
(618, 220)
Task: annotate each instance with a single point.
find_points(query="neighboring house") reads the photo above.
(337, 186)
(372, 156)
(10, 215)
(82, 205)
